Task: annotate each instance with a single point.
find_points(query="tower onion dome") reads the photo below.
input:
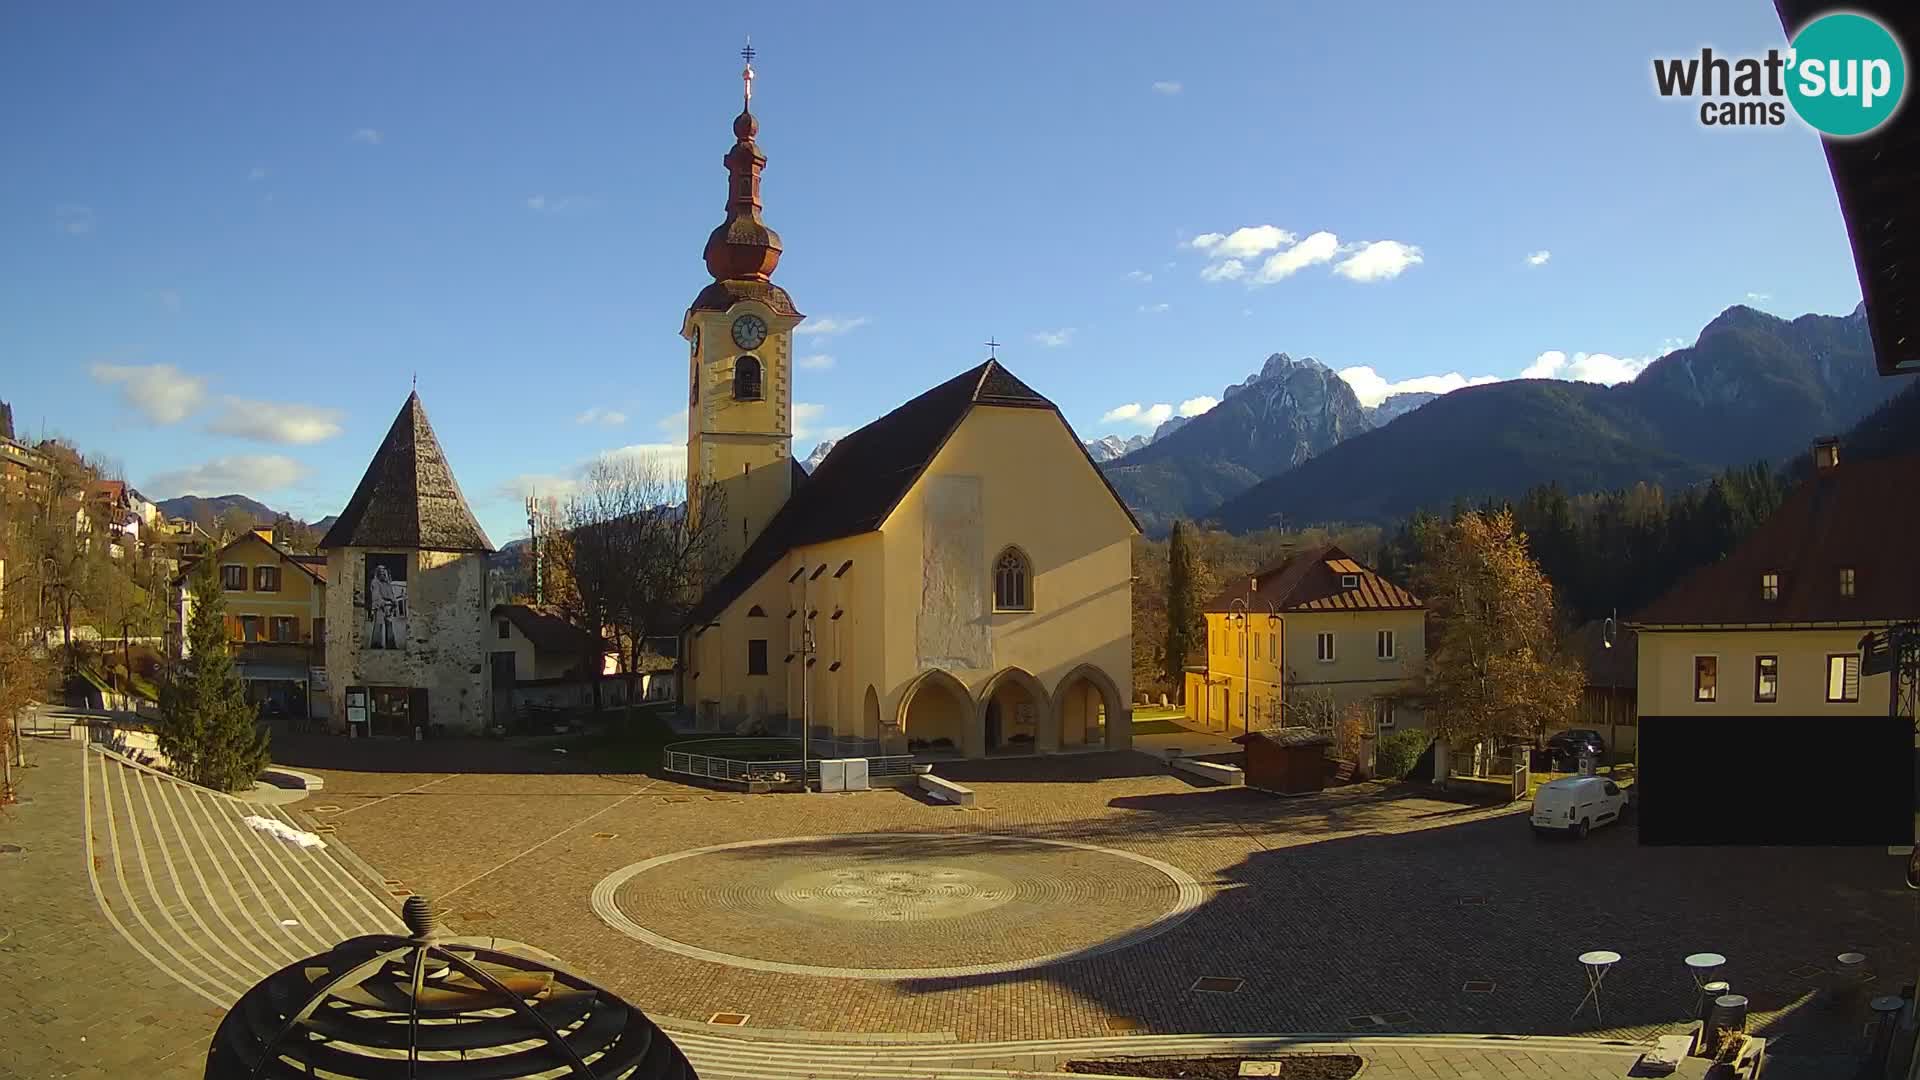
(743, 248)
(433, 1007)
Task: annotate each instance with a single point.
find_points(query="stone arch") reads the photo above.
(1079, 701)
(870, 714)
(936, 706)
(1001, 723)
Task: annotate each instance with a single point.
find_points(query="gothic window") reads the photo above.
(746, 379)
(1012, 582)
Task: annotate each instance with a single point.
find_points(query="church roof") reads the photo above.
(857, 486)
(408, 498)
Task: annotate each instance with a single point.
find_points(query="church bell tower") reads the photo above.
(740, 364)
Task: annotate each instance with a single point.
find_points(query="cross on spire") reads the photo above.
(993, 348)
(746, 73)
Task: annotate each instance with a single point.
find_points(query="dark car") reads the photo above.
(1569, 745)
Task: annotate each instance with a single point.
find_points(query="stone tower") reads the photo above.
(740, 365)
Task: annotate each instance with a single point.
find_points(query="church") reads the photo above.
(955, 578)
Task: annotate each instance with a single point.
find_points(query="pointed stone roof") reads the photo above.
(408, 498)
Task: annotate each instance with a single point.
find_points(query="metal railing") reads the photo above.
(735, 771)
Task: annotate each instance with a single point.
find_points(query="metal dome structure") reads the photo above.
(434, 1007)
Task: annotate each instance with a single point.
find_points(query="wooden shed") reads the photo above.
(1290, 760)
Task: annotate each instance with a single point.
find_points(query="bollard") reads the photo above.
(1727, 1014)
(1710, 993)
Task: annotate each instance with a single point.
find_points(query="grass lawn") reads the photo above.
(1155, 727)
(620, 747)
(1155, 712)
(1621, 774)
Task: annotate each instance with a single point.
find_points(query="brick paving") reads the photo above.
(1335, 909)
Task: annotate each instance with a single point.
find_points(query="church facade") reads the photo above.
(954, 578)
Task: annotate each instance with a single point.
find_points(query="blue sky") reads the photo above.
(231, 234)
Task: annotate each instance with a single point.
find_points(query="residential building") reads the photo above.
(276, 604)
(535, 641)
(1776, 625)
(954, 578)
(408, 611)
(1609, 702)
(1317, 625)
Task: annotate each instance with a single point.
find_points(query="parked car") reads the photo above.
(1570, 744)
(1576, 804)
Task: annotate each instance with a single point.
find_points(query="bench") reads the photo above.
(281, 776)
(946, 790)
(1226, 775)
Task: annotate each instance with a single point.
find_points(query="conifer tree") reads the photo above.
(207, 729)
(1181, 614)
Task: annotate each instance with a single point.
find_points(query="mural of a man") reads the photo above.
(386, 604)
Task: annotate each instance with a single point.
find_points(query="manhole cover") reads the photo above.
(718, 798)
(604, 835)
(475, 916)
(1363, 1022)
(730, 1019)
(1473, 901)
(1218, 984)
(1400, 1017)
(1477, 986)
(679, 798)
(1806, 971)
(1122, 1025)
(11, 849)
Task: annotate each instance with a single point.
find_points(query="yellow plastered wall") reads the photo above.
(744, 446)
(1356, 672)
(299, 597)
(1666, 675)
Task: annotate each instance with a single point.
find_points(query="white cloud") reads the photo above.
(1139, 275)
(1758, 297)
(806, 419)
(73, 219)
(1154, 309)
(257, 173)
(1539, 258)
(1316, 249)
(1584, 367)
(816, 361)
(1147, 416)
(560, 204)
(276, 422)
(160, 392)
(369, 136)
(1372, 388)
(1378, 260)
(223, 476)
(1167, 87)
(830, 324)
(1231, 270)
(1053, 339)
(1194, 406)
(677, 423)
(602, 417)
(1242, 243)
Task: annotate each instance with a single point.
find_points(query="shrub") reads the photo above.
(1394, 753)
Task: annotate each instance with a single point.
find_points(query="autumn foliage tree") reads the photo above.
(1493, 671)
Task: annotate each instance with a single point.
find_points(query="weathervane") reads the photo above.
(993, 348)
(746, 73)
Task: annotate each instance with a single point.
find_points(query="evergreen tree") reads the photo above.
(207, 729)
(1181, 608)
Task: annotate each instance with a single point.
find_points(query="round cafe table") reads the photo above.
(1703, 966)
(1597, 963)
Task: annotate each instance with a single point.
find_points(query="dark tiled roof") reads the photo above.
(871, 470)
(408, 498)
(1306, 582)
(1615, 667)
(1875, 177)
(1287, 736)
(548, 630)
(1856, 515)
(312, 564)
(722, 295)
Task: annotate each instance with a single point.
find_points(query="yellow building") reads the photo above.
(955, 577)
(1319, 624)
(1775, 627)
(276, 616)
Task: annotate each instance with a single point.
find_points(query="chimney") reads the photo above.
(1826, 454)
(265, 533)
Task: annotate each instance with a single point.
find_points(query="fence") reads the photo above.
(734, 771)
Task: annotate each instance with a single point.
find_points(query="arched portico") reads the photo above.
(936, 715)
(1088, 710)
(1013, 716)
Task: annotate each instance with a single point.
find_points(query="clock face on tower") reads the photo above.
(749, 331)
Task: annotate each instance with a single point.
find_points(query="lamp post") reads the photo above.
(1238, 611)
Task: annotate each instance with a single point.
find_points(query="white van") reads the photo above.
(1576, 804)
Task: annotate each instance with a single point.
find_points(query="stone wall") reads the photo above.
(445, 651)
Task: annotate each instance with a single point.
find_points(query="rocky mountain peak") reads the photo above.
(1278, 366)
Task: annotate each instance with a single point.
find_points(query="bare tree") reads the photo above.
(630, 559)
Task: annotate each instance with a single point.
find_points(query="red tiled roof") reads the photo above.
(1311, 581)
(312, 564)
(1856, 515)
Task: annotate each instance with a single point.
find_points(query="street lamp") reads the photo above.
(1241, 609)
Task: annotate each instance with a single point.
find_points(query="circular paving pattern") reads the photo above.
(896, 905)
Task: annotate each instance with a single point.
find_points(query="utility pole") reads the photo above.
(806, 659)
